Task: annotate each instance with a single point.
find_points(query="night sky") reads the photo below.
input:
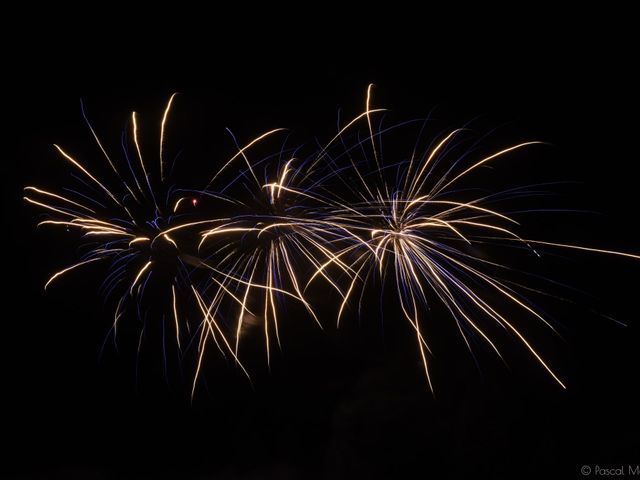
(340, 404)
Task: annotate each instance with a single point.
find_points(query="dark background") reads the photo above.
(348, 404)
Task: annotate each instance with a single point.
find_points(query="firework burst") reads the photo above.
(410, 223)
(131, 218)
(275, 238)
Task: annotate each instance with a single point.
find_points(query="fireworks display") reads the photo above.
(360, 213)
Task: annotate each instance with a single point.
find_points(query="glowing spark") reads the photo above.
(60, 197)
(242, 150)
(170, 240)
(487, 159)
(586, 249)
(162, 124)
(86, 172)
(177, 204)
(144, 170)
(175, 314)
(142, 270)
(62, 272)
(138, 240)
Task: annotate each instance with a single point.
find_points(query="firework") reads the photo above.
(277, 236)
(276, 222)
(410, 223)
(134, 220)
